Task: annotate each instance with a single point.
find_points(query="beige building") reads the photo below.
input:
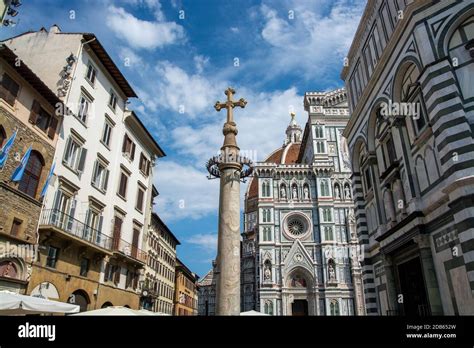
(158, 286)
(95, 213)
(186, 291)
(27, 107)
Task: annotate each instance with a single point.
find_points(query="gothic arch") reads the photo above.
(13, 267)
(355, 153)
(450, 27)
(400, 72)
(302, 271)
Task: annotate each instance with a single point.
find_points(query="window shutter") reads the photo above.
(148, 163)
(117, 274)
(87, 227)
(72, 211)
(106, 272)
(106, 180)
(132, 151)
(55, 213)
(82, 160)
(124, 144)
(94, 174)
(66, 152)
(52, 127)
(35, 109)
(101, 221)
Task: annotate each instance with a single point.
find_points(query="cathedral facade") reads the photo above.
(300, 253)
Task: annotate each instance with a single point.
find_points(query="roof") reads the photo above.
(109, 64)
(208, 279)
(141, 127)
(27, 74)
(285, 155)
(186, 271)
(155, 218)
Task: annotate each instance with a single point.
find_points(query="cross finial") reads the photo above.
(230, 104)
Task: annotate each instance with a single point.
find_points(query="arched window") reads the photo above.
(460, 54)
(3, 136)
(31, 177)
(268, 308)
(324, 188)
(80, 298)
(334, 307)
(8, 269)
(319, 132)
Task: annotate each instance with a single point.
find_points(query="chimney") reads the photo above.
(54, 29)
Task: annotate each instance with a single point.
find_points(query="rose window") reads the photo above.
(296, 226)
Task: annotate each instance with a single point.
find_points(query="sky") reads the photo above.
(180, 56)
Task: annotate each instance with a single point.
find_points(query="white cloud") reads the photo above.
(185, 192)
(200, 62)
(312, 43)
(208, 242)
(143, 34)
(234, 29)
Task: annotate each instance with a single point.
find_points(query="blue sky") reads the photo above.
(180, 56)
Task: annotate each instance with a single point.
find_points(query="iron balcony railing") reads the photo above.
(67, 223)
(129, 249)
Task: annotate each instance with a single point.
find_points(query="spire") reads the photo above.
(293, 131)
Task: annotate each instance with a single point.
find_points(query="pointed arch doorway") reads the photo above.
(298, 295)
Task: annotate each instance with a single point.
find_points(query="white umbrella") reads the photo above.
(114, 310)
(13, 304)
(147, 312)
(252, 312)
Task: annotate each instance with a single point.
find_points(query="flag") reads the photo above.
(18, 173)
(5, 149)
(46, 184)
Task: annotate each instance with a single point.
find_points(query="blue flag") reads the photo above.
(18, 173)
(46, 184)
(5, 149)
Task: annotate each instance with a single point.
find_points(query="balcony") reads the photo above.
(129, 251)
(67, 226)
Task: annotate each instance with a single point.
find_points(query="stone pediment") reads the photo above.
(298, 256)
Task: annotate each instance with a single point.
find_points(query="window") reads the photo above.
(84, 267)
(9, 89)
(52, 258)
(30, 180)
(16, 225)
(144, 165)
(43, 120)
(3, 136)
(107, 133)
(368, 180)
(267, 234)
(319, 132)
(84, 104)
(266, 215)
(327, 214)
(91, 73)
(390, 150)
(112, 100)
(74, 155)
(122, 190)
(128, 147)
(100, 176)
(324, 188)
(334, 307)
(140, 198)
(266, 189)
(320, 147)
(328, 233)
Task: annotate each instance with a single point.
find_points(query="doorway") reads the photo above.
(299, 308)
(412, 286)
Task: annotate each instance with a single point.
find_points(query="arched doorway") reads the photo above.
(80, 298)
(299, 293)
(107, 304)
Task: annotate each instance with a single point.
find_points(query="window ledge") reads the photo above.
(118, 194)
(107, 146)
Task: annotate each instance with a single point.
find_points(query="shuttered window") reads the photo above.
(9, 89)
(122, 191)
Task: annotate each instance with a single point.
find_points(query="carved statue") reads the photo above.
(332, 272)
(306, 192)
(347, 192)
(337, 192)
(283, 192)
(267, 274)
(295, 193)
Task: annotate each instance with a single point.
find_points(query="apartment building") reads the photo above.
(186, 292)
(94, 217)
(159, 278)
(29, 129)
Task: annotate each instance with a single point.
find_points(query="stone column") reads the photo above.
(431, 283)
(228, 258)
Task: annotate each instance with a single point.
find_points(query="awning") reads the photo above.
(15, 304)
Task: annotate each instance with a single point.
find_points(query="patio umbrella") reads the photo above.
(147, 312)
(115, 310)
(252, 312)
(15, 304)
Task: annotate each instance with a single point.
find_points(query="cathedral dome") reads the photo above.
(287, 154)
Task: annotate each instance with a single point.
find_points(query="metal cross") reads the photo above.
(230, 104)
